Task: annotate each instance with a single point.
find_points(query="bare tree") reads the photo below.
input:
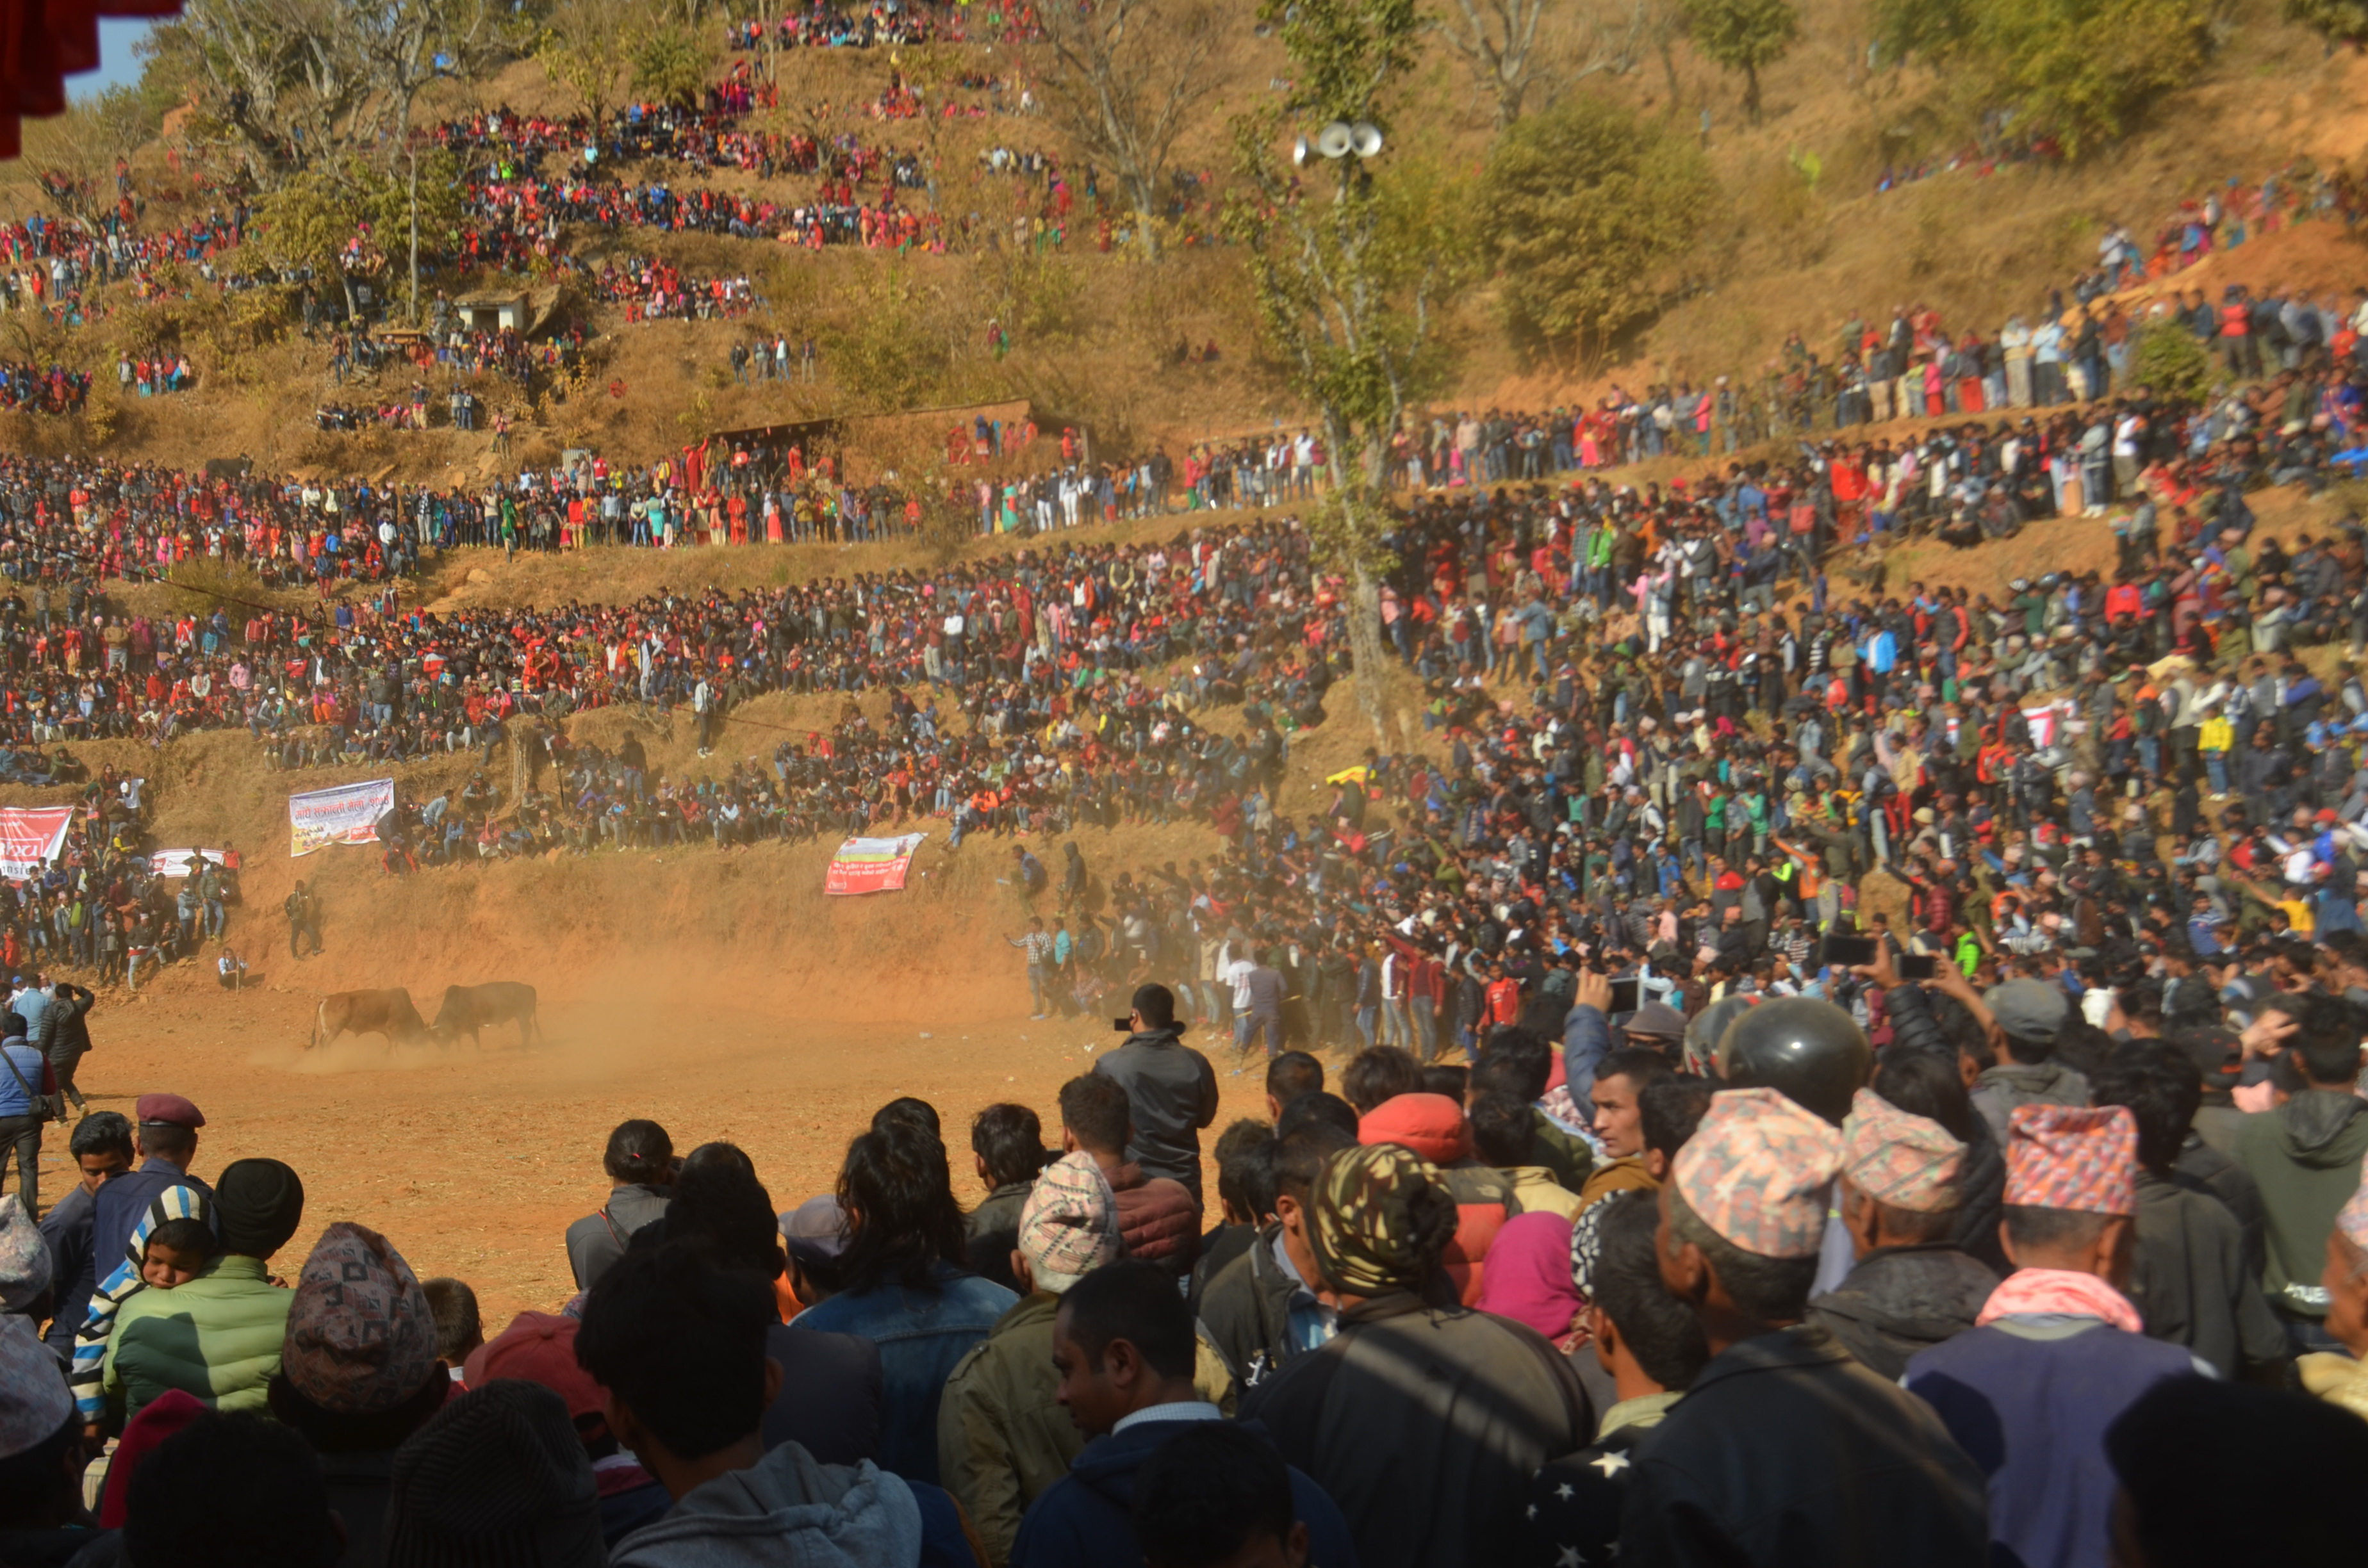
(587, 47)
(1498, 38)
(1123, 78)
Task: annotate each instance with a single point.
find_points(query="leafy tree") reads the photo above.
(307, 221)
(1744, 35)
(2341, 21)
(587, 47)
(1580, 209)
(670, 67)
(2171, 361)
(1123, 78)
(1349, 271)
(2089, 70)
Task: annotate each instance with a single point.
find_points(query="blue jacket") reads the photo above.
(1085, 1519)
(2029, 1400)
(921, 1335)
(1586, 1040)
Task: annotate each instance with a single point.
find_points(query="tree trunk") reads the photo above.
(1365, 647)
(1751, 93)
(1669, 69)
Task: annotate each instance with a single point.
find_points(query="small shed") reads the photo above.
(495, 309)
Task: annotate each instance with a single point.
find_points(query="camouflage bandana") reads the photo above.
(1364, 1225)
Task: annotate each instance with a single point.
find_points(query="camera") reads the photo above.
(1122, 1026)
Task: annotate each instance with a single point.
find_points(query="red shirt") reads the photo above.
(1505, 1001)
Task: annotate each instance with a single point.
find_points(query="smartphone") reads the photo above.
(1917, 966)
(1626, 994)
(1122, 1026)
(1843, 951)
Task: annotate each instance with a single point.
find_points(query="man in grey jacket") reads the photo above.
(1170, 1088)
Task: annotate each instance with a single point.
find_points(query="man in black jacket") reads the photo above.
(1262, 1310)
(1784, 1449)
(1171, 1090)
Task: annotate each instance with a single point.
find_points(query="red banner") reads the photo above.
(872, 865)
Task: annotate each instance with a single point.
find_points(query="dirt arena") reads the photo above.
(474, 1164)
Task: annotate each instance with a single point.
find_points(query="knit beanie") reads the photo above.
(257, 1204)
(496, 1479)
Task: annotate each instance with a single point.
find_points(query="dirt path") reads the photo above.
(474, 1165)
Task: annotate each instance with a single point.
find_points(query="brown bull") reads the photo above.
(388, 1013)
(469, 1009)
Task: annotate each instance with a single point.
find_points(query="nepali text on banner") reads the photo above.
(31, 839)
(348, 814)
(872, 865)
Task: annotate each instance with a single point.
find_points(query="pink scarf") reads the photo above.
(2062, 1292)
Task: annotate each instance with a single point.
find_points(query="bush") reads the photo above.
(2089, 70)
(2340, 21)
(2172, 360)
(1583, 209)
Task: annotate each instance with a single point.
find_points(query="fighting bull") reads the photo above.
(388, 1013)
(468, 1010)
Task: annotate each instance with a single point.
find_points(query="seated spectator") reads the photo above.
(1001, 1440)
(42, 1519)
(640, 1162)
(679, 1343)
(902, 1284)
(218, 1335)
(1125, 1353)
(1160, 1219)
(460, 1328)
(831, 1383)
(1007, 1147)
(1423, 1477)
(1784, 1449)
(539, 1347)
(1651, 1347)
(1261, 1311)
(2188, 1275)
(1504, 1136)
(358, 1373)
(1910, 1287)
(237, 1491)
(2193, 1458)
(496, 1475)
(2060, 1351)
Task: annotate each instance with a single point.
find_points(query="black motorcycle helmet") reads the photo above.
(1810, 1052)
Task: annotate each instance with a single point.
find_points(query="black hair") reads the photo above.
(1095, 1110)
(1669, 1108)
(2195, 1455)
(1659, 1329)
(1292, 1075)
(233, 1491)
(2031, 1228)
(1158, 1006)
(1452, 1079)
(2327, 1041)
(1010, 1139)
(900, 1204)
(719, 1202)
(166, 1139)
(346, 1432)
(1520, 1051)
(1639, 1064)
(2163, 1090)
(1299, 1157)
(912, 1112)
(458, 1328)
(1773, 1289)
(1206, 1492)
(1924, 1085)
(1246, 1179)
(1136, 1301)
(2079, 1045)
(680, 1338)
(1307, 1110)
(1503, 1131)
(638, 1150)
(1380, 1074)
(188, 1237)
(32, 1482)
(101, 1133)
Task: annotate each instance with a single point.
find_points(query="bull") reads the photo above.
(388, 1013)
(468, 1010)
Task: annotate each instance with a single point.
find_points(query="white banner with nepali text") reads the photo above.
(872, 865)
(348, 814)
(31, 837)
(181, 862)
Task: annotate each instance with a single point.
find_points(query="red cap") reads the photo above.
(169, 1110)
(538, 1347)
(2327, 816)
(160, 1418)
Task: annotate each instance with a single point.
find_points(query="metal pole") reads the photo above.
(414, 155)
